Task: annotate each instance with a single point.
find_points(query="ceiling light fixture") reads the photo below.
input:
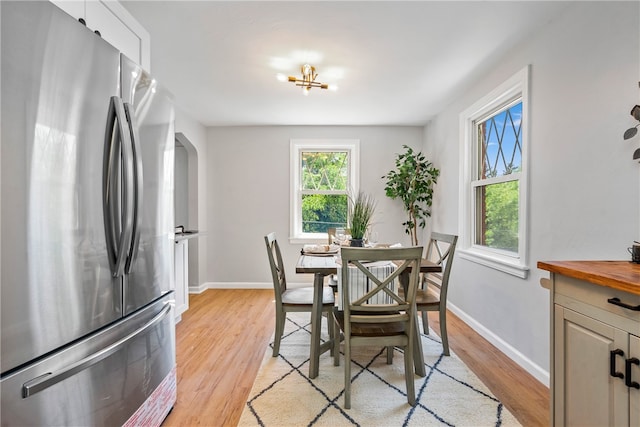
(308, 79)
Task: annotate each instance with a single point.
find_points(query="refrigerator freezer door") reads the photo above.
(151, 112)
(57, 80)
(101, 380)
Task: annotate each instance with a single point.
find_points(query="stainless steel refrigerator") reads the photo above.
(86, 212)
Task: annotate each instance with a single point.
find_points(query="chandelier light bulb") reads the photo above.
(308, 79)
(306, 70)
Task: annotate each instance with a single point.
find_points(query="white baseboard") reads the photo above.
(535, 370)
(198, 289)
(237, 285)
(241, 285)
(527, 364)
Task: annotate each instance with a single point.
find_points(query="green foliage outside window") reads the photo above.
(321, 211)
(500, 228)
(324, 186)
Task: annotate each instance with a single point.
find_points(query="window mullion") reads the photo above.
(515, 176)
(327, 192)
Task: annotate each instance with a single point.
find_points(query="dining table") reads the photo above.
(323, 265)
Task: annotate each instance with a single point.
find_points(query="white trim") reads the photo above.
(198, 289)
(245, 285)
(298, 145)
(516, 86)
(514, 176)
(500, 263)
(239, 285)
(507, 349)
(318, 239)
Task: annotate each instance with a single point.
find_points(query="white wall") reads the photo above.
(584, 185)
(249, 194)
(181, 186)
(196, 147)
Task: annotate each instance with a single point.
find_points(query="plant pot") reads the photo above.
(359, 243)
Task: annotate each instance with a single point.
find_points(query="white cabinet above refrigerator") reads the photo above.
(115, 24)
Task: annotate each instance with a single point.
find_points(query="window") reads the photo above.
(324, 173)
(493, 185)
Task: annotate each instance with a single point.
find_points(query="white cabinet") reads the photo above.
(595, 347)
(115, 24)
(590, 358)
(182, 277)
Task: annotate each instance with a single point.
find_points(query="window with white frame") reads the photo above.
(323, 174)
(493, 187)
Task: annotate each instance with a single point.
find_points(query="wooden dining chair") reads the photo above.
(387, 324)
(294, 299)
(432, 293)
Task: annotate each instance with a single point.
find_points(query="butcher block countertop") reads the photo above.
(621, 275)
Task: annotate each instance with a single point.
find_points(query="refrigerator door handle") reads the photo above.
(138, 187)
(49, 379)
(110, 184)
(118, 148)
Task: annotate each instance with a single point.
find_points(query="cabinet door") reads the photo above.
(585, 393)
(115, 24)
(113, 29)
(634, 393)
(74, 8)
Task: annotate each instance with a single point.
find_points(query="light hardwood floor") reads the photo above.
(223, 336)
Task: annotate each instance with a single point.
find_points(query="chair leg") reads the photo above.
(390, 354)
(280, 317)
(347, 373)
(330, 330)
(408, 373)
(336, 341)
(417, 354)
(425, 322)
(443, 331)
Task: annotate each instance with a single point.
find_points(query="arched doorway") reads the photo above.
(186, 197)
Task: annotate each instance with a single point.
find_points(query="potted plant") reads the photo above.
(360, 214)
(412, 182)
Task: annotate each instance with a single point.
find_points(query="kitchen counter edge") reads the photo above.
(621, 275)
(184, 236)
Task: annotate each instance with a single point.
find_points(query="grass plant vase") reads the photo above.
(360, 215)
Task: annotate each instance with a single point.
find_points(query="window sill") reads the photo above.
(503, 264)
(301, 240)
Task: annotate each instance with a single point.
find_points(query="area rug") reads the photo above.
(449, 395)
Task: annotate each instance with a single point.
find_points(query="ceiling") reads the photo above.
(395, 63)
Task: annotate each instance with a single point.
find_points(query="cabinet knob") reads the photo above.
(628, 381)
(612, 363)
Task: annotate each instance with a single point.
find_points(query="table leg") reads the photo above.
(316, 325)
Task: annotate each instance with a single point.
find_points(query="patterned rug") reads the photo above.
(283, 394)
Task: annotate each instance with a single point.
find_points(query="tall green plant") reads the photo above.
(412, 182)
(360, 214)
